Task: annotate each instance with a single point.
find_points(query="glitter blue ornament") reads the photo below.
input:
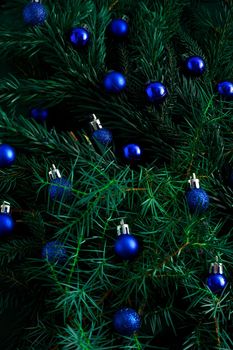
(54, 252)
(114, 82)
(132, 152)
(195, 65)
(119, 28)
(34, 13)
(60, 187)
(156, 92)
(126, 321)
(79, 37)
(102, 135)
(7, 155)
(39, 114)
(225, 89)
(217, 280)
(7, 224)
(197, 198)
(126, 245)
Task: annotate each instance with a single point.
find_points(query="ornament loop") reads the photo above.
(95, 123)
(122, 228)
(5, 207)
(54, 173)
(194, 182)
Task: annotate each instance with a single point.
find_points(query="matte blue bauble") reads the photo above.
(195, 65)
(7, 155)
(60, 188)
(126, 246)
(216, 282)
(34, 14)
(126, 321)
(54, 251)
(39, 114)
(6, 224)
(114, 82)
(103, 136)
(119, 28)
(156, 92)
(132, 152)
(197, 199)
(225, 89)
(79, 37)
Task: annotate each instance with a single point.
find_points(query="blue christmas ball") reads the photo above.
(132, 152)
(103, 136)
(225, 89)
(39, 114)
(126, 321)
(195, 65)
(6, 224)
(119, 28)
(126, 246)
(156, 92)
(79, 37)
(216, 282)
(34, 13)
(198, 200)
(114, 82)
(54, 252)
(60, 188)
(7, 155)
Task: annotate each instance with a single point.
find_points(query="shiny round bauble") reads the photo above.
(114, 82)
(79, 37)
(6, 224)
(126, 246)
(216, 282)
(156, 92)
(132, 152)
(195, 65)
(7, 155)
(126, 321)
(225, 89)
(119, 28)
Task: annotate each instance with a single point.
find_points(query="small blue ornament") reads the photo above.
(197, 198)
(126, 246)
(7, 155)
(195, 65)
(119, 28)
(156, 92)
(39, 114)
(114, 82)
(217, 280)
(34, 13)
(54, 252)
(225, 89)
(132, 152)
(103, 136)
(7, 224)
(126, 321)
(79, 37)
(60, 188)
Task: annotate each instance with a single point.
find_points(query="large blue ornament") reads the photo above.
(60, 188)
(7, 155)
(156, 92)
(216, 282)
(126, 321)
(39, 114)
(54, 252)
(6, 224)
(132, 152)
(197, 199)
(126, 246)
(195, 65)
(103, 136)
(79, 37)
(225, 89)
(34, 13)
(119, 28)
(114, 82)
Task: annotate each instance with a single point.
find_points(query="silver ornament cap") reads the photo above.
(216, 268)
(5, 207)
(122, 228)
(194, 182)
(54, 173)
(95, 123)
